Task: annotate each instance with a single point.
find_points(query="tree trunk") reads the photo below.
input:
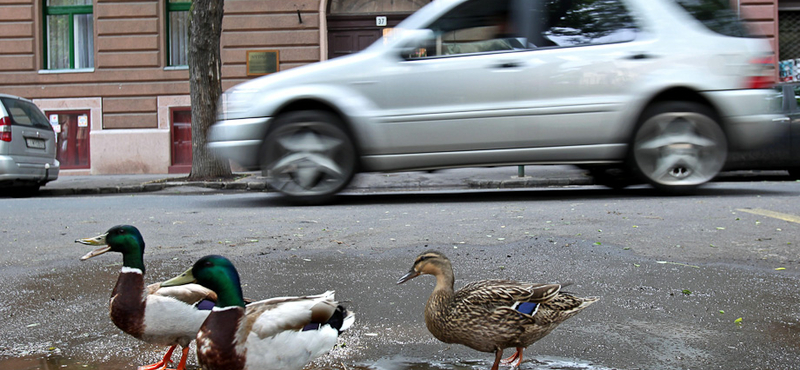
(205, 81)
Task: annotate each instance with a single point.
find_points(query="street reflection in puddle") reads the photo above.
(541, 363)
(388, 363)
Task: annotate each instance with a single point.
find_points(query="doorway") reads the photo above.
(72, 137)
(353, 25)
(181, 133)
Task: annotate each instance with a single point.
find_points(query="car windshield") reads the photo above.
(24, 113)
(716, 15)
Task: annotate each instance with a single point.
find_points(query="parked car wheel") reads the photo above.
(26, 191)
(678, 146)
(794, 173)
(308, 156)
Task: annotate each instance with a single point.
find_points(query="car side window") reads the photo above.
(478, 26)
(585, 22)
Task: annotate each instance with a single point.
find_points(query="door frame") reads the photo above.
(88, 113)
(358, 22)
(176, 168)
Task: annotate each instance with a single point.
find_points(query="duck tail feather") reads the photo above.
(342, 319)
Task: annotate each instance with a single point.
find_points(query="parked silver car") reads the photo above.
(27, 147)
(664, 88)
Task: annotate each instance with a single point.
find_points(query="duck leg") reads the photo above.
(182, 362)
(498, 355)
(161, 364)
(515, 360)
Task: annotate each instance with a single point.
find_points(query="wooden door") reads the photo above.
(72, 138)
(181, 141)
(349, 34)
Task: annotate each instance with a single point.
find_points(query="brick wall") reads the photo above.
(130, 56)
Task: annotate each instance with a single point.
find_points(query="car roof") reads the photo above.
(12, 96)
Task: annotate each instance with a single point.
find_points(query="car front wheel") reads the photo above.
(308, 156)
(678, 146)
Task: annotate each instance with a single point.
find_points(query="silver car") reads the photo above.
(658, 89)
(27, 147)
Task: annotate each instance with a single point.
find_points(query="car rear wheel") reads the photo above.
(678, 146)
(308, 156)
(794, 173)
(26, 191)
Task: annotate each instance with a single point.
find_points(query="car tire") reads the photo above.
(25, 191)
(678, 146)
(308, 156)
(794, 173)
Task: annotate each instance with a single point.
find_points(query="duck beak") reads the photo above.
(410, 275)
(97, 240)
(182, 279)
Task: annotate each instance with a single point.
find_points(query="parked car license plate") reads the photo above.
(34, 143)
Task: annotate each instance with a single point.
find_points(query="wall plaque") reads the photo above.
(262, 62)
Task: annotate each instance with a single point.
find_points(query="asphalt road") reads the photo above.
(675, 274)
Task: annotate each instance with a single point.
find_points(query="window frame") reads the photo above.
(175, 7)
(71, 11)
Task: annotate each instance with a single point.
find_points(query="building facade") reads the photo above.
(112, 75)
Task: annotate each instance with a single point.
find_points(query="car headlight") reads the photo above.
(235, 102)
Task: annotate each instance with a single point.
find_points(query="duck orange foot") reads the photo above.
(162, 365)
(514, 360)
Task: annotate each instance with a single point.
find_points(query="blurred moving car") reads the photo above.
(27, 147)
(784, 152)
(663, 89)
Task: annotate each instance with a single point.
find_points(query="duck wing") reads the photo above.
(190, 294)
(505, 293)
(272, 316)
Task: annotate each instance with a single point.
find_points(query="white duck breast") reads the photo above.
(167, 319)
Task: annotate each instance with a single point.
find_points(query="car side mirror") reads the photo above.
(414, 44)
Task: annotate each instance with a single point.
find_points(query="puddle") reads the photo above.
(48, 363)
(543, 363)
(389, 363)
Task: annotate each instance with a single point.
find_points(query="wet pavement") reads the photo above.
(645, 319)
(653, 313)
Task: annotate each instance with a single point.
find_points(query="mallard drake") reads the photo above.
(491, 315)
(155, 314)
(283, 333)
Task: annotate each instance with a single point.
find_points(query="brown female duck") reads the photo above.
(491, 315)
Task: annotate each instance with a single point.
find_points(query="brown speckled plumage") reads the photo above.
(481, 315)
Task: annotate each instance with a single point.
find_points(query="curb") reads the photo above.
(263, 187)
(527, 182)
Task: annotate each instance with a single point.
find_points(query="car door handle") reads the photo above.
(509, 65)
(640, 56)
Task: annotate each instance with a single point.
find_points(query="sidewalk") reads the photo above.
(462, 178)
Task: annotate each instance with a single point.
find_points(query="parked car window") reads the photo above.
(586, 22)
(25, 114)
(478, 26)
(717, 15)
